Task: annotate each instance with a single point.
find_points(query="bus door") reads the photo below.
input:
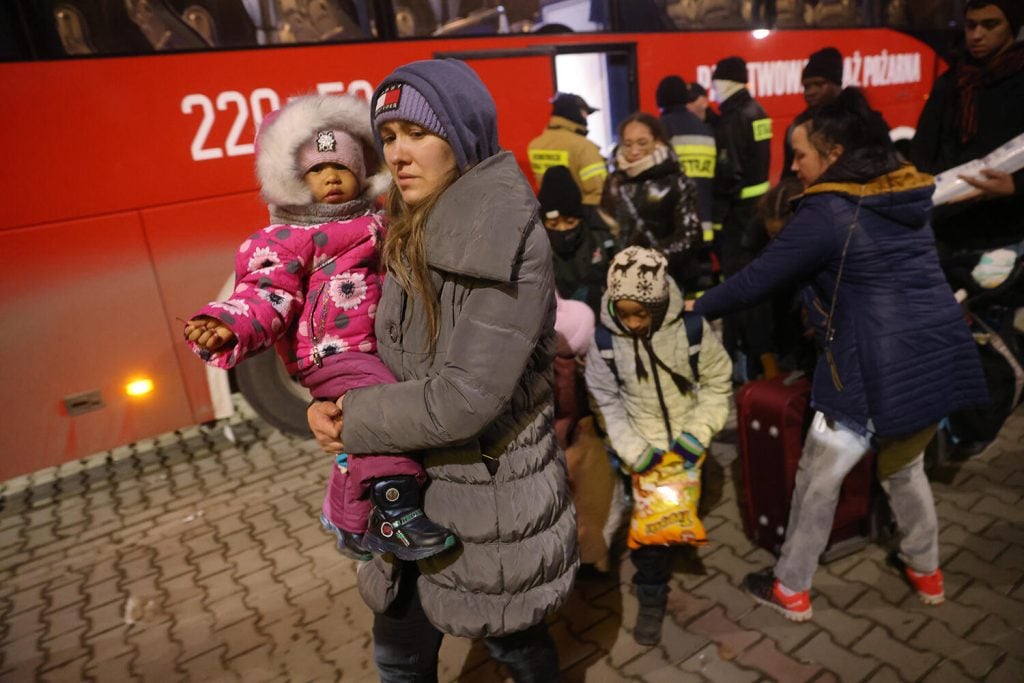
(524, 81)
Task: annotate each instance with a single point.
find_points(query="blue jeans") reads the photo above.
(830, 452)
(406, 644)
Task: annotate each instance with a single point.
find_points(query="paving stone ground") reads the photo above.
(196, 556)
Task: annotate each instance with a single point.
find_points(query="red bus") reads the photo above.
(129, 179)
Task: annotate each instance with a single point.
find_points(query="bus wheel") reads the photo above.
(273, 394)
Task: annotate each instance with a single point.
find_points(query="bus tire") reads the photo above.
(273, 394)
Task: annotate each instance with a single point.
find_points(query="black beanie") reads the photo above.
(559, 192)
(1013, 10)
(696, 90)
(570, 106)
(826, 63)
(730, 69)
(671, 91)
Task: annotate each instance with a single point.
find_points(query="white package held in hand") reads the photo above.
(1008, 157)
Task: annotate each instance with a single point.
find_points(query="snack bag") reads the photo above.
(665, 505)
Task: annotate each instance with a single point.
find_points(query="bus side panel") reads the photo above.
(193, 248)
(81, 312)
(895, 70)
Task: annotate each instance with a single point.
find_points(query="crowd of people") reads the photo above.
(501, 386)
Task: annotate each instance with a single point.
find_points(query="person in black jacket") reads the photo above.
(699, 106)
(581, 250)
(652, 200)
(694, 144)
(743, 139)
(822, 79)
(975, 107)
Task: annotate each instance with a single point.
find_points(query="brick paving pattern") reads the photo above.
(196, 556)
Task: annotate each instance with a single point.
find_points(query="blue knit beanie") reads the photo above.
(449, 91)
(402, 102)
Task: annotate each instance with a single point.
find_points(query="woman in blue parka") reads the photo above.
(895, 356)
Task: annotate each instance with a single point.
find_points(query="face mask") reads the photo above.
(725, 89)
(566, 242)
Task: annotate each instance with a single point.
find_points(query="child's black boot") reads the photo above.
(652, 601)
(349, 544)
(397, 524)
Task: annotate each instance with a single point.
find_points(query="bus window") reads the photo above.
(486, 17)
(317, 21)
(835, 14)
(221, 23)
(415, 18)
(926, 15)
(115, 27)
(790, 14)
(691, 14)
(164, 29)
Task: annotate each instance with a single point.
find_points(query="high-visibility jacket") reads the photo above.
(564, 143)
(694, 144)
(743, 139)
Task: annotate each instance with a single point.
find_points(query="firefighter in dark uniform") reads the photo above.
(743, 140)
(694, 144)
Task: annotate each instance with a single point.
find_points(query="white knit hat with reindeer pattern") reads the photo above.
(638, 274)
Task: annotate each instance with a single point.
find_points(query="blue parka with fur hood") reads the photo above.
(903, 355)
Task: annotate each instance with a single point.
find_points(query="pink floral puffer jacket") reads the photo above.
(313, 290)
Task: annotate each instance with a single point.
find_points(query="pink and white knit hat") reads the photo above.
(333, 146)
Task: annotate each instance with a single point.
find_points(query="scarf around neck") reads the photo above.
(315, 214)
(632, 169)
(971, 75)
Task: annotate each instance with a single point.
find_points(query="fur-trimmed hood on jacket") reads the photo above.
(284, 131)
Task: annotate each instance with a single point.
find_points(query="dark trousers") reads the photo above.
(653, 564)
(406, 644)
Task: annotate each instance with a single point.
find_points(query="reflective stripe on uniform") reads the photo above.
(762, 130)
(752, 191)
(717, 227)
(543, 159)
(593, 171)
(709, 231)
(696, 154)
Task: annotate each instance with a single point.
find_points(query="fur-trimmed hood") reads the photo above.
(284, 131)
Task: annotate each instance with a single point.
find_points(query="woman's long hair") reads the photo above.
(405, 254)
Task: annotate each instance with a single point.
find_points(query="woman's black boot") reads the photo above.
(397, 524)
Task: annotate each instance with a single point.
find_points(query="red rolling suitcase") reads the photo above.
(773, 416)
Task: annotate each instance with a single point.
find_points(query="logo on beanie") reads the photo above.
(389, 99)
(325, 141)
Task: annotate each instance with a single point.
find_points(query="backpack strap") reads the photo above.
(603, 338)
(694, 325)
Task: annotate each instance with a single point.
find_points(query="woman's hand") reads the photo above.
(325, 421)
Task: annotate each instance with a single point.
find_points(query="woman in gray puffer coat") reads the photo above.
(466, 324)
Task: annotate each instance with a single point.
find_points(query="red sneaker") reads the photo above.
(928, 586)
(763, 587)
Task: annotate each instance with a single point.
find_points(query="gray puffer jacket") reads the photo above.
(484, 398)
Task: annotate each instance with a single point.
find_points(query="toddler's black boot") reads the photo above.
(652, 600)
(349, 544)
(397, 524)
